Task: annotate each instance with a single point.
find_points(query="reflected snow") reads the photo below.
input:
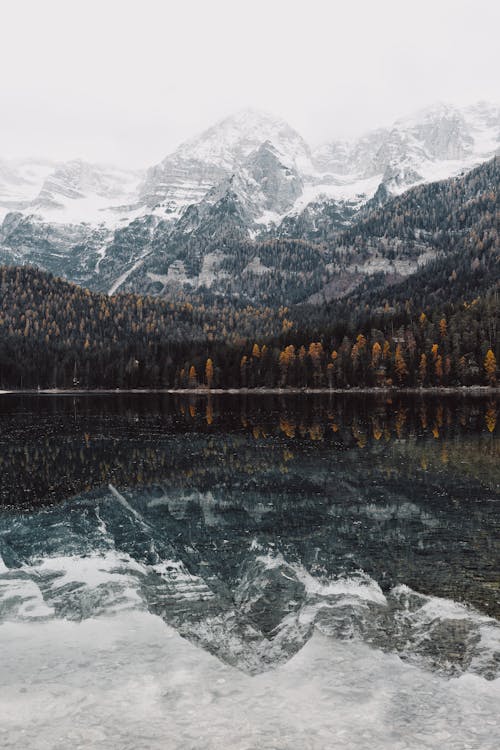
(253, 603)
(130, 681)
(268, 591)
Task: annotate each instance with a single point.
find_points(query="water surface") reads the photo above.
(249, 572)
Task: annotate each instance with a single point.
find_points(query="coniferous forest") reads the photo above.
(54, 334)
(437, 326)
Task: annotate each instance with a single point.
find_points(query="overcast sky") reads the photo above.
(125, 81)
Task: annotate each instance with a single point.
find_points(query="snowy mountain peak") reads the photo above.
(187, 174)
(433, 143)
(436, 111)
(80, 191)
(233, 138)
(77, 178)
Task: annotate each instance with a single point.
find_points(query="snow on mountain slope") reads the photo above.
(249, 174)
(280, 172)
(21, 180)
(234, 138)
(79, 191)
(435, 143)
(200, 163)
(68, 192)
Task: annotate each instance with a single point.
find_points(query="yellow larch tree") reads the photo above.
(490, 366)
(376, 354)
(209, 372)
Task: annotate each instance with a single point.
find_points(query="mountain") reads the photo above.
(250, 178)
(84, 192)
(435, 143)
(21, 180)
(73, 250)
(427, 224)
(325, 253)
(230, 146)
(416, 278)
(250, 595)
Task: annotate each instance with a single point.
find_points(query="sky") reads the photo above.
(125, 81)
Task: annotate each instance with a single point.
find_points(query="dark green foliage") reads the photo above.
(56, 334)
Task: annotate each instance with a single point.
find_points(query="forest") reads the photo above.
(54, 334)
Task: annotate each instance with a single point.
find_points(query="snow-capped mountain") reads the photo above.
(435, 143)
(282, 175)
(77, 188)
(21, 179)
(198, 164)
(249, 176)
(67, 192)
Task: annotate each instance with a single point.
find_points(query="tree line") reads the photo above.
(54, 334)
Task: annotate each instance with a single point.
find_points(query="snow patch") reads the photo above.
(131, 681)
(256, 267)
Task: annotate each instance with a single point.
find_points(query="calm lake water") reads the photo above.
(249, 572)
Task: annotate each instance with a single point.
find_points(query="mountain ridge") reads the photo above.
(248, 177)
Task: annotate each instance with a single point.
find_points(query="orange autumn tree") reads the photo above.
(286, 357)
(376, 354)
(209, 372)
(330, 368)
(490, 366)
(315, 352)
(192, 377)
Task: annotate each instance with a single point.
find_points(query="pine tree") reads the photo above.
(400, 364)
(422, 369)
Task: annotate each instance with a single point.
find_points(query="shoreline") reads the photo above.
(465, 390)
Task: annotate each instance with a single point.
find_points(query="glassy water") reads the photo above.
(249, 572)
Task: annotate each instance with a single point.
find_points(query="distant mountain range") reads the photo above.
(204, 219)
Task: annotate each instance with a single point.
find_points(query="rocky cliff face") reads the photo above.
(432, 140)
(249, 177)
(199, 164)
(70, 250)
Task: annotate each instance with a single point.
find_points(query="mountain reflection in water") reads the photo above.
(263, 515)
(338, 556)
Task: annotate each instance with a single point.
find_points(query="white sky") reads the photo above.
(125, 81)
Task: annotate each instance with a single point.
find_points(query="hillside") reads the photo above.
(56, 334)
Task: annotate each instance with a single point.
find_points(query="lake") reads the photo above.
(249, 572)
